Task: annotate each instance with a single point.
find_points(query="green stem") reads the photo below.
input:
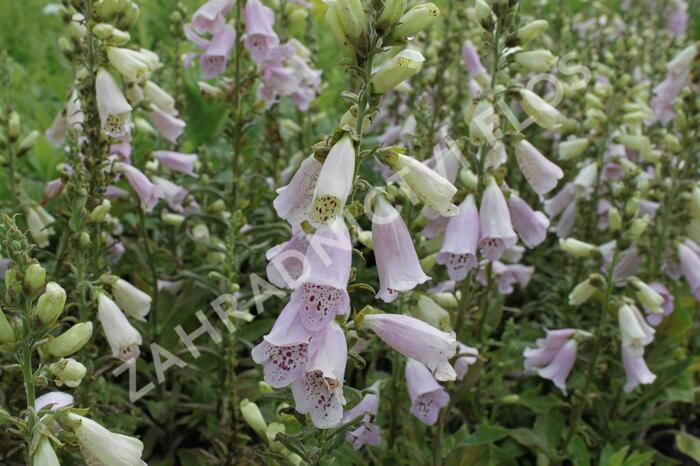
(597, 346)
(28, 376)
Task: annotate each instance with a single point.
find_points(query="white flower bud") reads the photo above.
(646, 295)
(68, 372)
(572, 148)
(543, 113)
(50, 304)
(539, 61)
(532, 30)
(396, 70)
(577, 248)
(416, 19)
(253, 417)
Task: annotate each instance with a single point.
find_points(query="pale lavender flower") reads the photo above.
(367, 433)
(506, 276)
(209, 17)
(397, 262)
(556, 204)
(168, 125)
(416, 339)
(427, 396)
(540, 173)
(172, 193)
(678, 18)
(114, 192)
(177, 161)
(329, 255)
(655, 318)
(215, 57)
(554, 356)
(258, 27)
(472, 61)
(531, 226)
(690, 265)
(466, 356)
(114, 110)
(319, 391)
(53, 189)
(122, 337)
(461, 240)
(147, 191)
(496, 231)
(284, 351)
(566, 221)
(294, 200)
(288, 262)
(636, 368)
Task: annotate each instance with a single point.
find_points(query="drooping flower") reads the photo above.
(555, 355)
(114, 110)
(319, 392)
(172, 193)
(690, 265)
(368, 432)
(53, 400)
(496, 231)
(542, 112)
(284, 351)
(458, 251)
(100, 446)
(655, 318)
(473, 63)
(635, 334)
(466, 356)
(215, 57)
(168, 125)
(131, 64)
(427, 396)
(540, 173)
(531, 226)
(294, 200)
(416, 339)
(397, 262)
(145, 189)
(45, 455)
(177, 161)
(432, 188)
(209, 16)
(334, 181)
(258, 27)
(131, 300)
(122, 337)
(287, 262)
(159, 97)
(40, 224)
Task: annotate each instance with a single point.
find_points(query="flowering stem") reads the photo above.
(597, 346)
(236, 121)
(27, 374)
(150, 259)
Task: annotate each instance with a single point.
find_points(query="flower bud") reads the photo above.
(636, 229)
(584, 290)
(542, 112)
(614, 219)
(646, 295)
(28, 142)
(70, 341)
(392, 11)
(51, 303)
(445, 299)
(415, 20)
(469, 179)
(352, 17)
(396, 70)
(85, 241)
(34, 279)
(7, 334)
(253, 417)
(65, 45)
(98, 213)
(532, 30)
(174, 220)
(68, 372)
(430, 312)
(577, 248)
(539, 61)
(333, 20)
(482, 10)
(572, 148)
(102, 30)
(482, 124)
(13, 126)
(672, 143)
(264, 388)
(635, 142)
(632, 206)
(76, 28)
(200, 234)
(428, 263)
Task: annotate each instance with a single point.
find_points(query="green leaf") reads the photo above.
(579, 452)
(688, 445)
(486, 434)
